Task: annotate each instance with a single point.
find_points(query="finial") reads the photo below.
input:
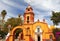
(28, 4)
(38, 20)
(43, 20)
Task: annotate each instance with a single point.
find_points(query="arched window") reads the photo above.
(27, 19)
(28, 9)
(38, 28)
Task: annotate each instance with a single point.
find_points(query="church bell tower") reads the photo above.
(28, 15)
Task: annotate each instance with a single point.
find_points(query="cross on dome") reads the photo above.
(29, 7)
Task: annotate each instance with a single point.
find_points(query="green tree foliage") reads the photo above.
(56, 20)
(55, 17)
(3, 14)
(5, 29)
(2, 34)
(2, 27)
(11, 21)
(14, 22)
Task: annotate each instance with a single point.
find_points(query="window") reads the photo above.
(27, 19)
(28, 9)
(38, 29)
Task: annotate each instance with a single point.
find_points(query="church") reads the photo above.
(32, 31)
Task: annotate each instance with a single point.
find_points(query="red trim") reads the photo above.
(30, 38)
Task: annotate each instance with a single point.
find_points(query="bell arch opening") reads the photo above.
(18, 34)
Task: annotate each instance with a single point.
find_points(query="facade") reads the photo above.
(33, 31)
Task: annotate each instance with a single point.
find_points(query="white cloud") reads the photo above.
(38, 15)
(45, 5)
(48, 4)
(8, 5)
(9, 15)
(13, 4)
(4, 7)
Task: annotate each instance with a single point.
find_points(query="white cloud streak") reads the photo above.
(8, 5)
(48, 4)
(45, 5)
(13, 4)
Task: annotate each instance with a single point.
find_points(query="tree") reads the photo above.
(14, 22)
(3, 14)
(2, 30)
(2, 34)
(56, 20)
(55, 17)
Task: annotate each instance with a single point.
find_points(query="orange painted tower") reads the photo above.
(29, 15)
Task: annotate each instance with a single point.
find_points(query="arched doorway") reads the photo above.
(38, 38)
(18, 34)
(38, 34)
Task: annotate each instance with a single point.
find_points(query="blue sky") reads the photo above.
(41, 8)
